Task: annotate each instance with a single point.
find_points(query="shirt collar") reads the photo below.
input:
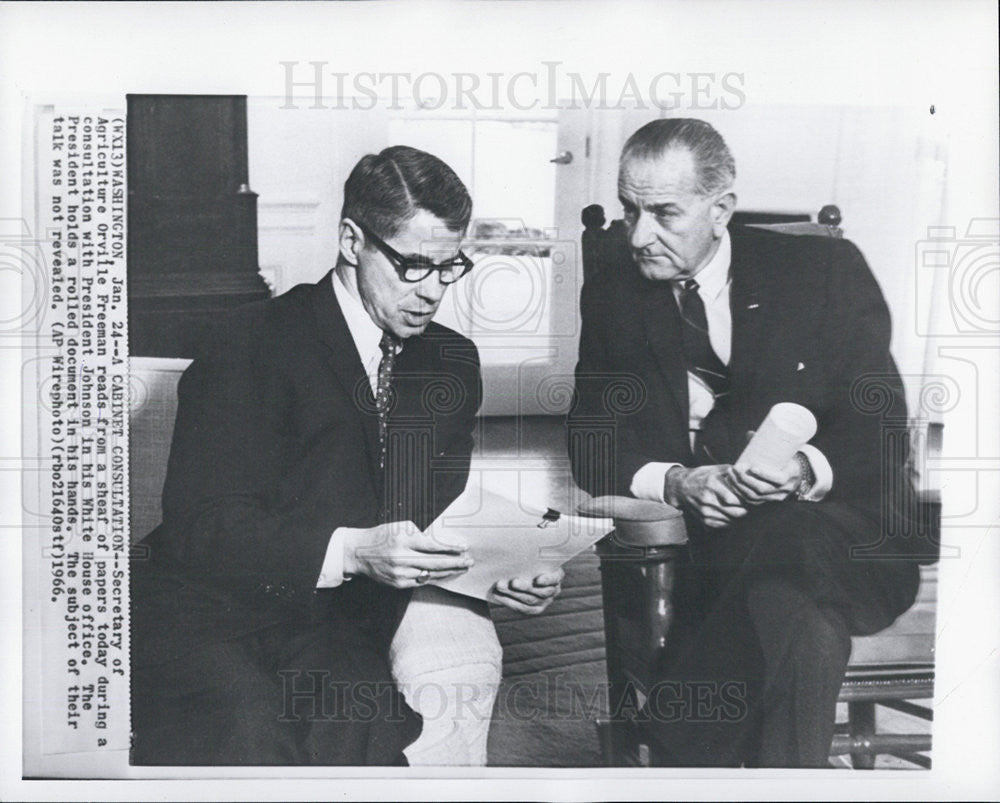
(365, 333)
(713, 278)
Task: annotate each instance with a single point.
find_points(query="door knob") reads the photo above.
(563, 158)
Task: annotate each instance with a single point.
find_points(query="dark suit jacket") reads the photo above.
(276, 446)
(810, 326)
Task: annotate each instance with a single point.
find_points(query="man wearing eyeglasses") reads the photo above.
(317, 436)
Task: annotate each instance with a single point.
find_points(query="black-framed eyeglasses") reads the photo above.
(417, 268)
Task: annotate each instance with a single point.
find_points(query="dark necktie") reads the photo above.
(699, 357)
(702, 361)
(383, 389)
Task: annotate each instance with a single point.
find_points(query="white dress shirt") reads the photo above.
(367, 337)
(714, 286)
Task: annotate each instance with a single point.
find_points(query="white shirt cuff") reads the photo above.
(647, 483)
(822, 471)
(332, 573)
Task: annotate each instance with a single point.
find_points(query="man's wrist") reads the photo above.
(671, 485)
(334, 570)
(807, 479)
(350, 545)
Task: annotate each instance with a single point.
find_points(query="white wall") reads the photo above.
(299, 160)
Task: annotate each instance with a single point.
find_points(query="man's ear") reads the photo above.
(351, 241)
(722, 212)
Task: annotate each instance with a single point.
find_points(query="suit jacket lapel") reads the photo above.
(331, 328)
(662, 324)
(749, 305)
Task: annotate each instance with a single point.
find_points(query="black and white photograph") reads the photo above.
(501, 400)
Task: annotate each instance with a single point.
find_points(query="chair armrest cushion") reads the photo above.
(639, 522)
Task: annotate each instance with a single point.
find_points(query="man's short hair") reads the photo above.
(714, 163)
(384, 191)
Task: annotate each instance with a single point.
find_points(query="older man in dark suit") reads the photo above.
(713, 324)
(317, 435)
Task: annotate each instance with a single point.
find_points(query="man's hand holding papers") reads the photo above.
(528, 595)
(518, 551)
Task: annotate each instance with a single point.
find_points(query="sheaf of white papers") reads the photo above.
(506, 539)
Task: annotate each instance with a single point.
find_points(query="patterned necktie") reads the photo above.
(699, 357)
(383, 389)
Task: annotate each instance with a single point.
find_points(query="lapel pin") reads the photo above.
(753, 306)
(799, 367)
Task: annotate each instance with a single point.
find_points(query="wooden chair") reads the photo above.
(890, 669)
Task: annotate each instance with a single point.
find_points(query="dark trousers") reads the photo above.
(289, 694)
(765, 612)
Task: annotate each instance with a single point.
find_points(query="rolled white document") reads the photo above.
(785, 430)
